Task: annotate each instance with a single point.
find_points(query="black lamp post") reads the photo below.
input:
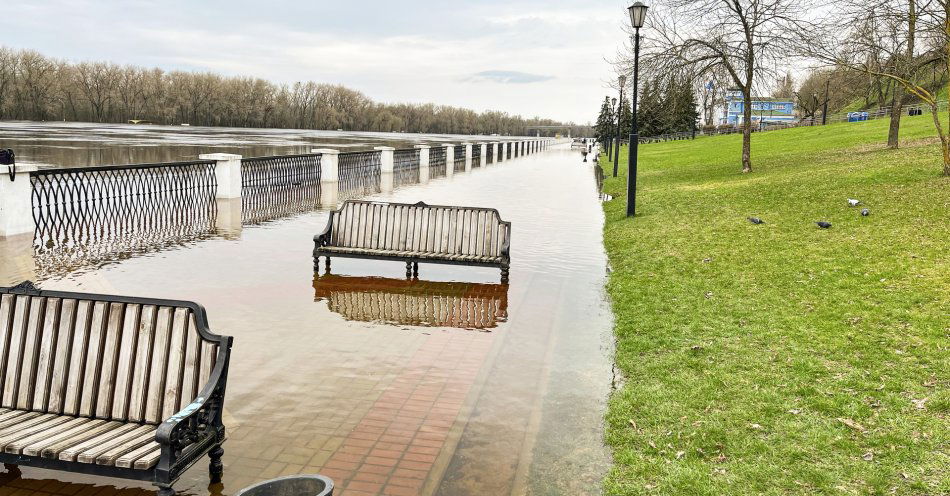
(623, 81)
(638, 14)
(610, 141)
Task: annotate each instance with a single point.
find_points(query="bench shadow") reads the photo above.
(12, 482)
(413, 302)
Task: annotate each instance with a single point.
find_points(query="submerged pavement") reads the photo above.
(453, 384)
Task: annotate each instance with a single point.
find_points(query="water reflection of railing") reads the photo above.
(459, 163)
(359, 174)
(405, 167)
(413, 302)
(274, 187)
(476, 155)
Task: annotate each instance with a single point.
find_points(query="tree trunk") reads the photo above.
(747, 133)
(893, 132)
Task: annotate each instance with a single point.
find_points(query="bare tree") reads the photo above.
(885, 46)
(741, 38)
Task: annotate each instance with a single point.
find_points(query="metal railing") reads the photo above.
(359, 173)
(437, 155)
(459, 163)
(476, 156)
(405, 167)
(275, 187)
(492, 153)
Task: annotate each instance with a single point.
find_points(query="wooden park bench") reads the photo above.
(416, 233)
(109, 385)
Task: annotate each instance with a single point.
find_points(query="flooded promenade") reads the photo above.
(453, 384)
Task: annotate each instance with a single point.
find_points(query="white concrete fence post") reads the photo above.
(227, 172)
(386, 168)
(423, 163)
(16, 201)
(329, 176)
(468, 156)
(449, 160)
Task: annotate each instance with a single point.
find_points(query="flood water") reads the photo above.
(78, 144)
(454, 384)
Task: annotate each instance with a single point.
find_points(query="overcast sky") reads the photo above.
(527, 57)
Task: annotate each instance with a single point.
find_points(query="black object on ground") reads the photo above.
(756, 220)
(865, 212)
(824, 225)
(293, 485)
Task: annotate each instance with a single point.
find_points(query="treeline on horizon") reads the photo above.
(39, 88)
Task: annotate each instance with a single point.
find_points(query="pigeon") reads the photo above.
(865, 212)
(852, 202)
(756, 220)
(824, 225)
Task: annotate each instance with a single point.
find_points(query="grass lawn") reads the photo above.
(782, 358)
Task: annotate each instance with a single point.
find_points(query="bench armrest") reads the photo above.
(199, 424)
(323, 239)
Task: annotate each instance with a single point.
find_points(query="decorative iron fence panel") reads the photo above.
(359, 173)
(275, 187)
(491, 154)
(436, 156)
(509, 150)
(405, 167)
(91, 215)
(459, 163)
(476, 155)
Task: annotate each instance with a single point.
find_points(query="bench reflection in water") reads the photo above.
(414, 302)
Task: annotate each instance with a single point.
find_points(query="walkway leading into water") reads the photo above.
(452, 385)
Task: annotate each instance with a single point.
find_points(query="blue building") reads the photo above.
(764, 110)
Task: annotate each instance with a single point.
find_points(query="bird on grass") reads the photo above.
(865, 212)
(854, 203)
(822, 224)
(756, 220)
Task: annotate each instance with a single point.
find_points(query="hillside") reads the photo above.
(782, 358)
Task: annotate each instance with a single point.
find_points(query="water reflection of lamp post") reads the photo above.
(623, 81)
(610, 142)
(638, 13)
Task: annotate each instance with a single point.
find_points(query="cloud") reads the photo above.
(507, 77)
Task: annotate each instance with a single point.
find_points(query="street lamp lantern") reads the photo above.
(638, 14)
(623, 81)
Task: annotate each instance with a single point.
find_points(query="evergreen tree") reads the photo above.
(603, 130)
(626, 118)
(651, 115)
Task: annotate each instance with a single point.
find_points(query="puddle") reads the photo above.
(452, 384)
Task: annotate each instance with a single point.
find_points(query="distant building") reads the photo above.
(764, 110)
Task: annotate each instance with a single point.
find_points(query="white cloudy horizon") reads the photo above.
(524, 57)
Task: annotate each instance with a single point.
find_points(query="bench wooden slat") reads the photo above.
(110, 356)
(93, 357)
(209, 354)
(49, 447)
(143, 360)
(11, 417)
(110, 456)
(70, 453)
(119, 442)
(77, 354)
(47, 349)
(31, 343)
(61, 357)
(190, 380)
(176, 363)
(15, 350)
(141, 458)
(29, 427)
(53, 429)
(127, 363)
(156, 380)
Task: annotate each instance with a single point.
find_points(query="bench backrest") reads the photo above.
(420, 228)
(107, 357)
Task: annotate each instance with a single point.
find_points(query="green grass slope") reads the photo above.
(782, 358)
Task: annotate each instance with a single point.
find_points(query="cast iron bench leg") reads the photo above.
(415, 270)
(216, 468)
(165, 490)
(504, 275)
(328, 265)
(408, 270)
